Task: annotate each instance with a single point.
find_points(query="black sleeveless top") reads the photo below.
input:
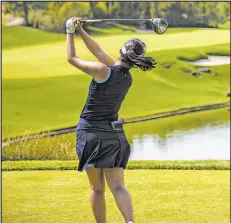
(104, 99)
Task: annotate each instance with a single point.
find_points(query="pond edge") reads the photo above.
(30, 137)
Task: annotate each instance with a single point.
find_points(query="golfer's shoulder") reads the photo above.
(103, 74)
(120, 76)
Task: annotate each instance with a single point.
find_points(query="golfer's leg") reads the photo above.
(97, 183)
(115, 181)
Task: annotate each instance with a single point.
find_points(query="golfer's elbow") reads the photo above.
(71, 55)
(70, 59)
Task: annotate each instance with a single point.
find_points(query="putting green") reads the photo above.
(41, 91)
(166, 196)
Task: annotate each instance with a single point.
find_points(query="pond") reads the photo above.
(213, 60)
(201, 136)
(193, 136)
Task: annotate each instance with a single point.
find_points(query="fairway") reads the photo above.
(50, 59)
(34, 36)
(159, 196)
(41, 91)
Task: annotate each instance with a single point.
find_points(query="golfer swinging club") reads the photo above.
(102, 147)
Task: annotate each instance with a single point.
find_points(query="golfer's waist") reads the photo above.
(99, 114)
(100, 125)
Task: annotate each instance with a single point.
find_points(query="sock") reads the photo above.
(130, 222)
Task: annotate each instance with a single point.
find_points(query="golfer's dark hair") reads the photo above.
(132, 53)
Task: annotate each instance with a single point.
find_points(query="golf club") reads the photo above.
(160, 25)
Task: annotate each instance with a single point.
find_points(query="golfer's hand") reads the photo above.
(77, 24)
(70, 27)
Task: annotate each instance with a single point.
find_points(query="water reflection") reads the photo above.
(210, 139)
(211, 142)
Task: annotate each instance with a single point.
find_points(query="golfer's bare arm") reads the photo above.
(96, 49)
(98, 70)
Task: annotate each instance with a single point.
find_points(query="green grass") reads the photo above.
(63, 147)
(181, 30)
(117, 29)
(226, 25)
(36, 104)
(14, 36)
(163, 196)
(44, 58)
(73, 164)
(42, 91)
(4, 20)
(220, 49)
(18, 36)
(125, 27)
(192, 54)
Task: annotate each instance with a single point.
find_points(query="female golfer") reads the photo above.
(102, 147)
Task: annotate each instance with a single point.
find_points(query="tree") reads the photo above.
(17, 9)
(25, 8)
(156, 9)
(52, 15)
(147, 13)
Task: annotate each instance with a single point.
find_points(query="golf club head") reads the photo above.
(160, 25)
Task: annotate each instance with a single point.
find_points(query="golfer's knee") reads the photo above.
(98, 190)
(117, 188)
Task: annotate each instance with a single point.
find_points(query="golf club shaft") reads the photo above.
(112, 20)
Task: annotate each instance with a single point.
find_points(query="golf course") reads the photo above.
(41, 91)
(163, 196)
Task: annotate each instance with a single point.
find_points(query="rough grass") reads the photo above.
(33, 103)
(63, 147)
(226, 25)
(58, 147)
(73, 164)
(163, 196)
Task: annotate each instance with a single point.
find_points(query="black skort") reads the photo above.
(101, 144)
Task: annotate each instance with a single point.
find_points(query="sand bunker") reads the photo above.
(213, 61)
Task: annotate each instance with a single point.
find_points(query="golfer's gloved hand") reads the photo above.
(78, 24)
(70, 26)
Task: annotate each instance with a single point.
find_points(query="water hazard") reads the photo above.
(187, 137)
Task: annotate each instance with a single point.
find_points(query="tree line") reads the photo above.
(52, 15)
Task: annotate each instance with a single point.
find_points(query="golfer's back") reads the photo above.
(104, 99)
